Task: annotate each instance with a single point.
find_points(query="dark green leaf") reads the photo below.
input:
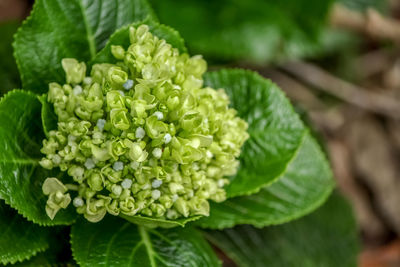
(276, 132)
(304, 187)
(327, 237)
(19, 239)
(58, 29)
(38, 260)
(21, 180)
(121, 37)
(115, 242)
(49, 118)
(9, 76)
(248, 30)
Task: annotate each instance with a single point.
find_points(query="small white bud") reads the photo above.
(159, 115)
(126, 183)
(155, 194)
(78, 202)
(140, 133)
(121, 93)
(174, 197)
(221, 182)
(157, 152)
(77, 90)
(87, 80)
(156, 183)
(100, 124)
(118, 166)
(167, 138)
(128, 84)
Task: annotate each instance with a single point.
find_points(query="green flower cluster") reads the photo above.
(142, 136)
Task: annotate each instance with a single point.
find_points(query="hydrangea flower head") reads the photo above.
(142, 136)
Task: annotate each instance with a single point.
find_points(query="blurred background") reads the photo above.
(338, 62)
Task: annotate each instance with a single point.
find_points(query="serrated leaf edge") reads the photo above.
(2, 99)
(324, 197)
(245, 72)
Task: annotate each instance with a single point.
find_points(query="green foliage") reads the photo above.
(249, 30)
(275, 130)
(20, 142)
(281, 164)
(49, 118)
(58, 29)
(115, 242)
(306, 185)
(327, 237)
(8, 68)
(20, 239)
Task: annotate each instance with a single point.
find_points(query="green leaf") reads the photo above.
(58, 29)
(121, 37)
(115, 242)
(9, 76)
(38, 260)
(49, 118)
(304, 187)
(20, 239)
(21, 180)
(252, 30)
(275, 130)
(327, 237)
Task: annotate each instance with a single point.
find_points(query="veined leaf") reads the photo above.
(58, 29)
(327, 237)
(20, 239)
(121, 37)
(115, 242)
(38, 260)
(304, 187)
(21, 176)
(251, 30)
(275, 130)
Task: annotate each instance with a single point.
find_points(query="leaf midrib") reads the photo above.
(147, 243)
(89, 35)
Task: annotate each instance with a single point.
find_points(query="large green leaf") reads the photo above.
(21, 176)
(121, 37)
(304, 187)
(19, 239)
(9, 76)
(249, 30)
(75, 28)
(327, 237)
(115, 242)
(276, 132)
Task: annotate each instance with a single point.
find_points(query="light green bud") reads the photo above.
(118, 51)
(75, 71)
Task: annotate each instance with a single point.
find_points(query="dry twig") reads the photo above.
(358, 96)
(371, 23)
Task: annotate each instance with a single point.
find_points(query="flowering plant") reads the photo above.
(119, 135)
